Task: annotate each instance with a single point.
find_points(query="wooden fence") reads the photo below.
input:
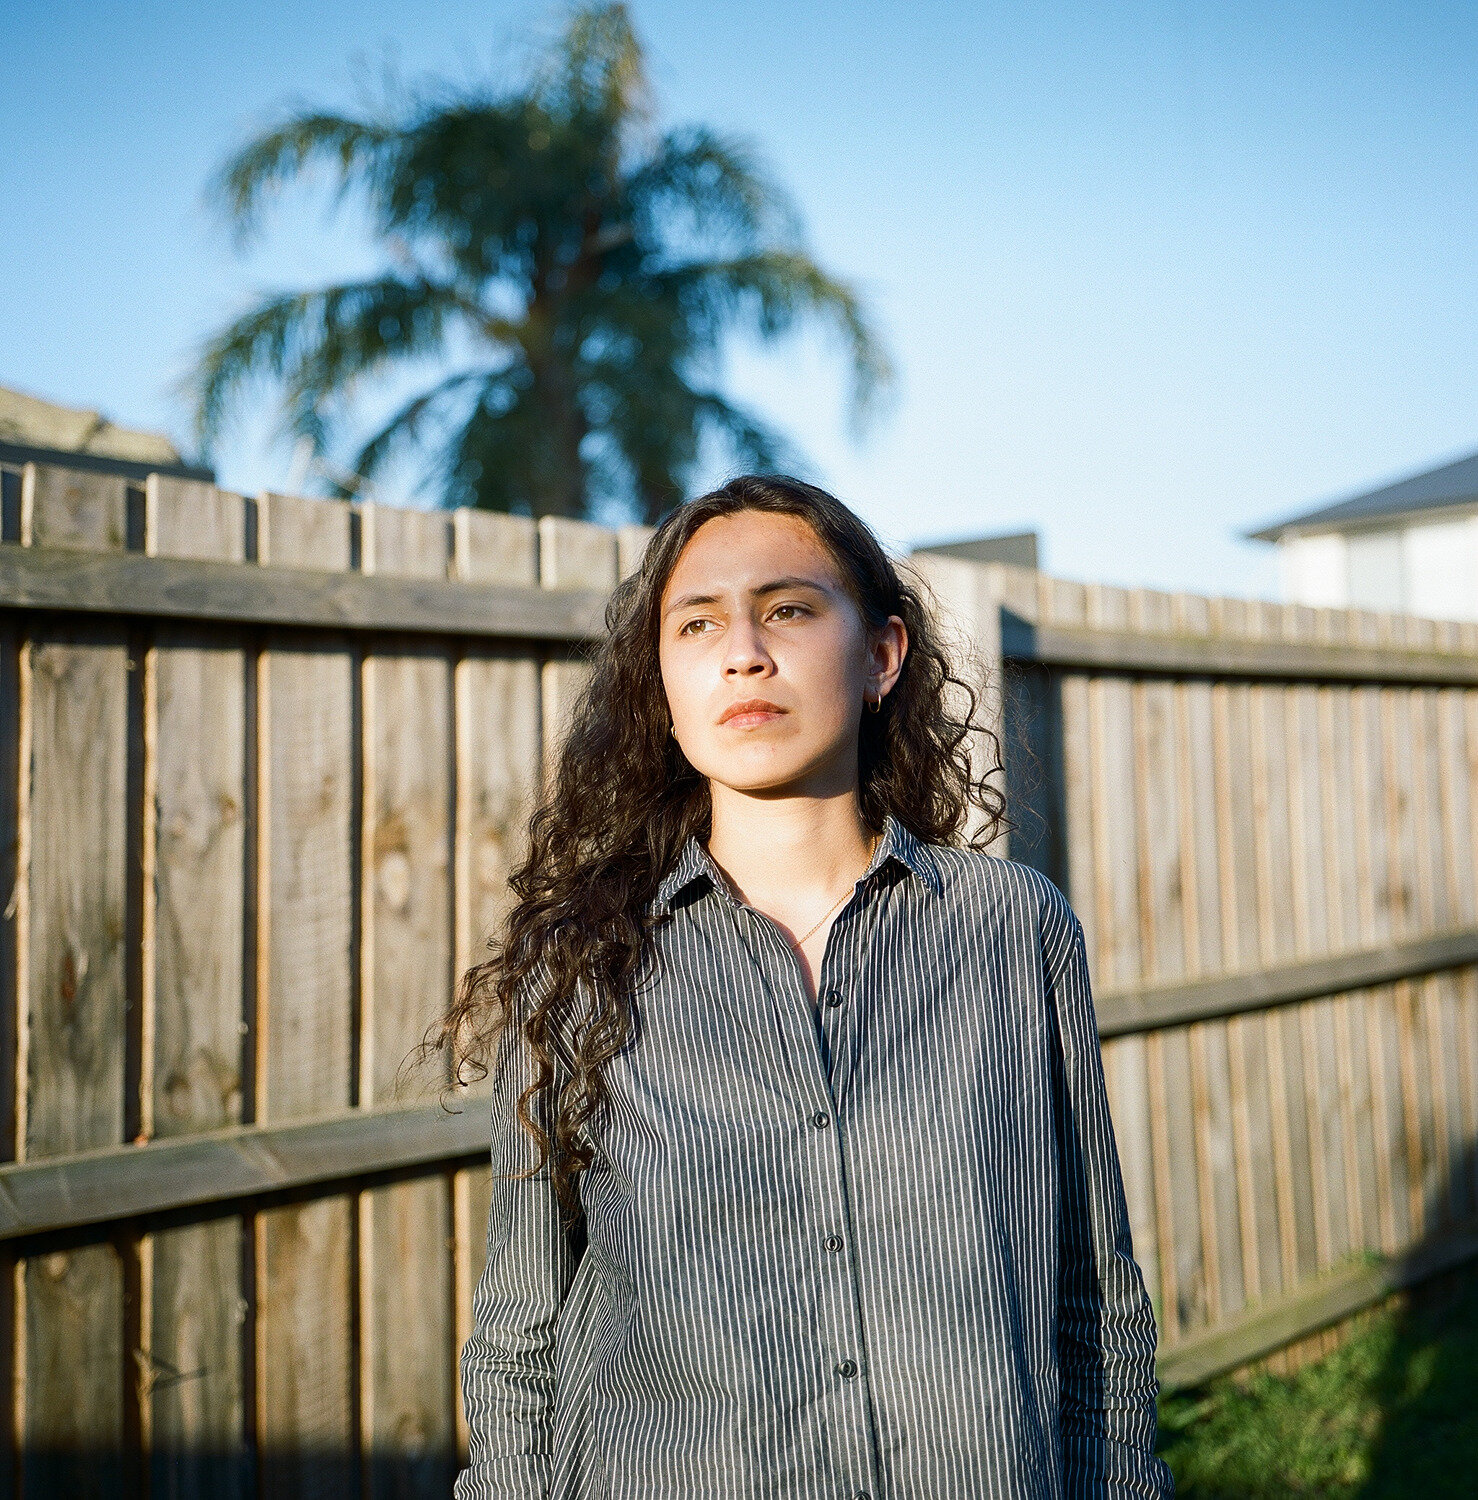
(1266, 818)
(263, 767)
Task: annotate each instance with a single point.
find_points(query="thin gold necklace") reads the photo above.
(800, 941)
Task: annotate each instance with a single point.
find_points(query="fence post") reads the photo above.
(968, 595)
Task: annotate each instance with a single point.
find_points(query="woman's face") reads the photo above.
(755, 614)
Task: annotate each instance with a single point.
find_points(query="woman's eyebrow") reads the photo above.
(775, 586)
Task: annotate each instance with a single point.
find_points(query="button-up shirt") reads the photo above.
(874, 1248)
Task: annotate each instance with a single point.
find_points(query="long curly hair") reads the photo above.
(623, 801)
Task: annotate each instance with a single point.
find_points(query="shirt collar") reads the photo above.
(695, 863)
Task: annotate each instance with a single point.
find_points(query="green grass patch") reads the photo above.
(1392, 1413)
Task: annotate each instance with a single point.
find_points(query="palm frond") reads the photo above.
(596, 67)
(596, 268)
(357, 149)
(318, 344)
(495, 460)
(405, 427)
(752, 444)
(774, 289)
(718, 184)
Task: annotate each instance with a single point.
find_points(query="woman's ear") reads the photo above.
(889, 648)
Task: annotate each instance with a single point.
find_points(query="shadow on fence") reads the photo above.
(1386, 1416)
(196, 1475)
(1425, 1389)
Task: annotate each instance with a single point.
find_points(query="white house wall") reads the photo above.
(1428, 568)
(1373, 563)
(1440, 564)
(1313, 570)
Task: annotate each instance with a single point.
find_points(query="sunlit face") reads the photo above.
(765, 658)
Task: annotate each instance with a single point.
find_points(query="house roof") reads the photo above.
(1435, 489)
(1017, 547)
(29, 422)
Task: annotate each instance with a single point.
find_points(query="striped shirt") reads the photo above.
(874, 1248)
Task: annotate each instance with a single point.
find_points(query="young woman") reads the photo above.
(804, 1181)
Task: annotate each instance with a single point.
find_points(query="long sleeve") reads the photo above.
(1106, 1325)
(508, 1359)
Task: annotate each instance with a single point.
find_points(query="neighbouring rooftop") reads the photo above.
(37, 431)
(1453, 484)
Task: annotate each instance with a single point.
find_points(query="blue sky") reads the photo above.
(1151, 273)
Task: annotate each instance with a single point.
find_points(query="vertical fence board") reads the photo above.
(1339, 876)
(1283, 1053)
(572, 555)
(1246, 793)
(306, 1373)
(498, 752)
(1468, 982)
(631, 547)
(1401, 849)
(193, 1372)
(1162, 882)
(73, 1439)
(498, 737)
(73, 1092)
(1375, 915)
(405, 1273)
(1320, 1081)
(1116, 922)
(72, 508)
(1223, 822)
(1201, 832)
(1458, 883)
(1239, 912)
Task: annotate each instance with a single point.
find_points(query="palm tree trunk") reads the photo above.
(558, 472)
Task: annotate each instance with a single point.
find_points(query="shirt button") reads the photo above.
(834, 997)
(847, 1369)
(821, 1119)
(833, 1242)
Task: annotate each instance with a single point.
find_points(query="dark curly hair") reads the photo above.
(624, 799)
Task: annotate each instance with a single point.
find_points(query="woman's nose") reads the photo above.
(746, 654)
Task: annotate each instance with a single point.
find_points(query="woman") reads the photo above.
(804, 1181)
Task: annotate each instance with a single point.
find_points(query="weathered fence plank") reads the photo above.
(309, 705)
(497, 714)
(1211, 1086)
(72, 1028)
(1117, 962)
(1166, 894)
(572, 554)
(406, 894)
(193, 1351)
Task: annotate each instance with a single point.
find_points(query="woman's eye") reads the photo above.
(800, 609)
(685, 629)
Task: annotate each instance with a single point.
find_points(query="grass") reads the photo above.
(1393, 1413)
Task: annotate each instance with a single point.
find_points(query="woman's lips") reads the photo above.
(751, 717)
(751, 712)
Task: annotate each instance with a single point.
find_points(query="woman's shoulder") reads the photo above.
(997, 886)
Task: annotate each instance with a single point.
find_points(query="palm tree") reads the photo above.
(592, 266)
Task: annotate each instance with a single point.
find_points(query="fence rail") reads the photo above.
(1131, 1012)
(131, 585)
(228, 1167)
(265, 766)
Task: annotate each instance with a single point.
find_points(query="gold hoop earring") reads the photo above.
(875, 705)
(672, 729)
